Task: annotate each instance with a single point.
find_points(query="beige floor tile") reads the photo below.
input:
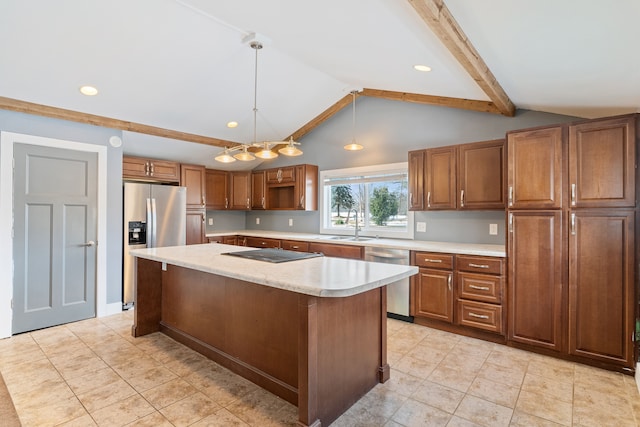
(93, 380)
(452, 377)
(552, 369)
(132, 367)
(508, 375)
(416, 367)
(416, 414)
(189, 410)
(546, 407)
(55, 412)
(401, 383)
(151, 378)
(48, 392)
(220, 418)
(77, 366)
(226, 387)
(168, 393)
(106, 395)
(546, 386)
(154, 419)
(381, 403)
(520, 419)
(123, 412)
(509, 358)
(427, 353)
(461, 422)
(257, 408)
(483, 412)
(469, 364)
(191, 364)
(438, 396)
(83, 421)
(500, 394)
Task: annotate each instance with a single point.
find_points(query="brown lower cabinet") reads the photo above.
(196, 227)
(294, 245)
(433, 286)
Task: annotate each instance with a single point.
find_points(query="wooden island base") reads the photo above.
(321, 354)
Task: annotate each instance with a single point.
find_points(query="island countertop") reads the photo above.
(320, 276)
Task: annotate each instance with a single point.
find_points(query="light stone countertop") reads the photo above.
(414, 245)
(320, 276)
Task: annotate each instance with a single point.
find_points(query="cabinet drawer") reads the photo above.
(480, 315)
(433, 260)
(480, 287)
(338, 251)
(280, 175)
(479, 264)
(258, 242)
(295, 245)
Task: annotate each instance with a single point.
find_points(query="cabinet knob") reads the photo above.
(462, 198)
(151, 168)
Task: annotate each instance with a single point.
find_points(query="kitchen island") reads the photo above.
(311, 331)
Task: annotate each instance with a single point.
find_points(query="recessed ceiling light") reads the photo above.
(88, 90)
(232, 124)
(421, 68)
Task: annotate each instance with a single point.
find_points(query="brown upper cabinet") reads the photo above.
(217, 189)
(292, 188)
(441, 178)
(535, 172)
(465, 177)
(602, 159)
(481, 177)
(150, 169)
(416, 179)
(228, 190)
(258, 190)
(193, 177)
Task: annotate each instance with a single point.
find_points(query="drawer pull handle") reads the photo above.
(295, 247)
(478, 265)
(478, 316)
(479, 288)
(449, 282)
(462, 198)
(432, 260)
(429, 199)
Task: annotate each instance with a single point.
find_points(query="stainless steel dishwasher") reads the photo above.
(397, 292)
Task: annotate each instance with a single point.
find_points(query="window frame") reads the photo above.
(402, 167)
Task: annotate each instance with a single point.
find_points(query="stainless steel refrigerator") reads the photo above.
(154, 216)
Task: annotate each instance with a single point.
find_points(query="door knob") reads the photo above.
(89, 243)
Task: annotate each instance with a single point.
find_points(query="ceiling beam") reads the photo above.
(91, 119)
(321, 118)
(442, 101)
(440, 20)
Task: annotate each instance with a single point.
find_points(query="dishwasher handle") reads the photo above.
(385, 255)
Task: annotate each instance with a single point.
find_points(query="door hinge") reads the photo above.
(11, 303)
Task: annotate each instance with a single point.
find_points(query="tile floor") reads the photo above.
(94, 373)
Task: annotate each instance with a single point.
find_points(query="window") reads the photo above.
(375, 196)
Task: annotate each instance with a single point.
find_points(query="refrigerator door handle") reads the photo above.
(154, 221)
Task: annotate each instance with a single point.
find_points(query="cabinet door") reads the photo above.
(434, 294)
(601, 291)
(481, 177)
(258, 190)
(305, 189)
(193, 177)
(161, 170)
(441, 178)
(135, 167)
(217, 189)
(535, 179)
(240, 190)
(281, 175)
(416, 180)
(602, 160)
(535, 278)
(195, 227)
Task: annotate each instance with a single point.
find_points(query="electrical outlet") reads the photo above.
(290, 222)
(493, 229)
(257, 221)
(210, 221)
(421, 226)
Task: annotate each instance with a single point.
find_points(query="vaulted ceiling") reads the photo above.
(186, 66)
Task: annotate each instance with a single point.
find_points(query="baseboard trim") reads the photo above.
(109, 309)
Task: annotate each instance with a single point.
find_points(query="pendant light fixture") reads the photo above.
(266, 152)
(353, 146)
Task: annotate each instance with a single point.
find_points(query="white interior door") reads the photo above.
(55, 236)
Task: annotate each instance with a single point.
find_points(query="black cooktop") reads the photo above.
(273, 255)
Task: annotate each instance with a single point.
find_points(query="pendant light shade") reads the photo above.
(291, 149)
(353, 146)
(225, 157)
(265, 147)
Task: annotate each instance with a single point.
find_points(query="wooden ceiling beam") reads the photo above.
(321, 118)
(440, 20)
(91, 119)
(441, 101)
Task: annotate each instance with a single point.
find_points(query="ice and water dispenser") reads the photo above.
(137, 233)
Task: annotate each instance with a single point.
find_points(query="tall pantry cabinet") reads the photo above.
(571, 227)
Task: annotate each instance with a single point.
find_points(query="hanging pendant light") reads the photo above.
(225, 157)
(265, 147)
(353, 146)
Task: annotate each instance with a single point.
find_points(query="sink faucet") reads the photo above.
(355, 211)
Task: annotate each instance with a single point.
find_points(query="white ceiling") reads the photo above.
(182, 65)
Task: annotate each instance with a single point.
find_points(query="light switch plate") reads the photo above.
(421, 226)
(210, 221)
(493, 229)
(290, 222)
(257, 221)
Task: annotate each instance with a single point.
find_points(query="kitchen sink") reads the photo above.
(350, 238)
